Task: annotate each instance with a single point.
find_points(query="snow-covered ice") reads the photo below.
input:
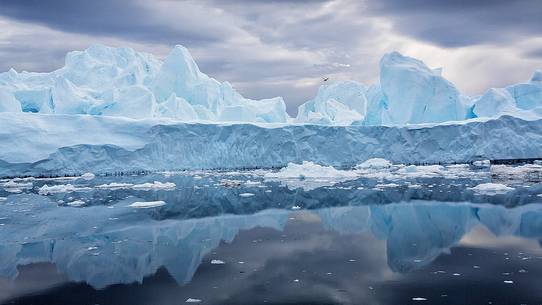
(61, 188)
(374, 163)
(156, 185)
(147, 204)
(309, 169)
(492, 188)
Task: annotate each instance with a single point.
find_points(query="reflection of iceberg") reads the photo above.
(418, 232)
(104, 246)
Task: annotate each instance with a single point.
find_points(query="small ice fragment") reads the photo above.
(147, 204)
(491, 188)
(114, 186)
(246, 194)
(456, 274)
(217, 262)
(296, 281)
(76, 203)
(88, 176)
(419, 299)
(62, 188)
(191, 300)
(249, 182)
(268, 191)
(509, 282)
(296, 207)
(156, 185)
(482, 163)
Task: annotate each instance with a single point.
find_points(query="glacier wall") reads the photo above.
(215, 146)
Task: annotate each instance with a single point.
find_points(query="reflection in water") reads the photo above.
(356, 244)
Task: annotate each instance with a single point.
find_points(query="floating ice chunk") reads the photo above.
(482, 163)
(191, 300)
(217, 262)
(17, 185)
(88, 176)
(491, 188)
(61, 188)
(250, 182)
(296, 207)
(147, 204)
(3, 198)
(76, 203)
(309, 169)
(508, 282)
(309, 175)
(387, 185)
(156, 185)
(374, 163)
(115, 186)
(419, 299)
(246, 194)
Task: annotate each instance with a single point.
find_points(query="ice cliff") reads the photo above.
(58, 144)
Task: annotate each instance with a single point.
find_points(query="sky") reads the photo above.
(285, 47)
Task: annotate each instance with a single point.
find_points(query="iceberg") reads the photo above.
(512, 99)
(340, 103)
(409, 92)
(121, 82)
(110, 81)
(417, 94)
(117, 110)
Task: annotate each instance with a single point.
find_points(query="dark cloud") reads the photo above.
(534, 53)
(116, 18)
(460, 23)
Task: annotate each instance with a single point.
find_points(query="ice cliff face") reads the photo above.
(121, 82)
(105, 144)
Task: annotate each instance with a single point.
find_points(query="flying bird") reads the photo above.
(325, 79)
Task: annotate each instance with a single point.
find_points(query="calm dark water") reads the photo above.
(239, 238)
